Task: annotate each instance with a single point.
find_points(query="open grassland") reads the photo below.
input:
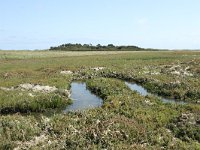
(33, 93)
(45, 54)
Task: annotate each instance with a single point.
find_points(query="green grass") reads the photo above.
(126, 120)
(17, 128)
(17, 101)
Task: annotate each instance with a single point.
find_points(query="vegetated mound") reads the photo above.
(90, 47)
(32, 98)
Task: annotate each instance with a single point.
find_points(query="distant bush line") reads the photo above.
(89, 47)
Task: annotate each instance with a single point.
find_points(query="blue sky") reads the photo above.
(39, 24)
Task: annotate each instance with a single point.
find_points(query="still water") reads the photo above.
(144, 92)
(82, 98)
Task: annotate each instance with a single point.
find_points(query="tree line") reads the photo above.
(98, 47)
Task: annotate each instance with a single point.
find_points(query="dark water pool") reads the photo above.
(144, 92)
(82, 98)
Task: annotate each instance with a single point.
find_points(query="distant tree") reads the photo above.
(98, 46)
(90, 47)
(111, 45)
(52, 48)
(119, 47)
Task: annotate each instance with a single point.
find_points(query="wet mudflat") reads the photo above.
(141, 90)
(82, 98)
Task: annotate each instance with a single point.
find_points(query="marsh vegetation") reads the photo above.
(35, 90)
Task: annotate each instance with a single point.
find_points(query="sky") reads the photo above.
(39, 24)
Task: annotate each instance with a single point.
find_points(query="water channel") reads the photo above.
(82, 98)
(144, 92)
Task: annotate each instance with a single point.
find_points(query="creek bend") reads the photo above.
(141, 90)
(82, 98)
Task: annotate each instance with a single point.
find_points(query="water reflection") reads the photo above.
(82, 98)
(144, 92)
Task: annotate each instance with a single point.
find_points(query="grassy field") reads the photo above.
(45, 54)
(33, 93)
